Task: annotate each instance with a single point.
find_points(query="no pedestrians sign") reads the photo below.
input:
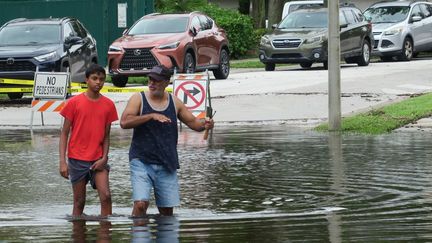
(50, 85)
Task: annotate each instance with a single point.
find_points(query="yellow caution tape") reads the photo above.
(16, 90)
(16, 81)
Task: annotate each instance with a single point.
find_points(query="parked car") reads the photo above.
(302, 38)
(52, 44)
(401, 29)
(292, 6)
(185, 42)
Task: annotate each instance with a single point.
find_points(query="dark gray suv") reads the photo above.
(301, 37)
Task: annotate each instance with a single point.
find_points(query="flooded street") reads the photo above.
(264, 183)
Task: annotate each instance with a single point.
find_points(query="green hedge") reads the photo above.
(239, 28)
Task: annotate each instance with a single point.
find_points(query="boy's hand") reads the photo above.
(64, 170)
(99, 164)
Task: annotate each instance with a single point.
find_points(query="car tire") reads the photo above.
(189, 63)
(407, 50)
(306, 64)
(119, 81)
(223, 70)
(364, 58)
(15, 96)
(270, 66)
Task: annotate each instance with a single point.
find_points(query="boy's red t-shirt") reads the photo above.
(88, 118)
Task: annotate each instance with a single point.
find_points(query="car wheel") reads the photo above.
(364, 58)
(386, 58)
(15, 96)
(407, 50)
(223, 70)
(189, 63)
(270, 66)
(306, 64)
(119, 81)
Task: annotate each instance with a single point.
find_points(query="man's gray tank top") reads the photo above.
(154, 142)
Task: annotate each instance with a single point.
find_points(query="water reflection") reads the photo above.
(245, 184)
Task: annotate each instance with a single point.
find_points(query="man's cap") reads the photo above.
(160, 73)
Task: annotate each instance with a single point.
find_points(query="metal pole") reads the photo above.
(334, 89)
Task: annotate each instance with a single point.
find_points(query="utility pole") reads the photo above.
(334, 87)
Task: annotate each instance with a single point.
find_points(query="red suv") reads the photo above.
(185, 42)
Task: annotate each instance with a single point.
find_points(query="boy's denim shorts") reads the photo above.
(144, 177)
(80, 170)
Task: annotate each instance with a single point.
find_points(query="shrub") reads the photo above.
(239, 28)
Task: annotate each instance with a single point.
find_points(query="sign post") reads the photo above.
(49, 92)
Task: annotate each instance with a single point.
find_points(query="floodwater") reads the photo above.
(269, 183)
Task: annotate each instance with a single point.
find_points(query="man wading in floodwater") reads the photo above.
(153, 152)
(88, 117)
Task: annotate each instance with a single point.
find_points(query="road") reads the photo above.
(287, 95)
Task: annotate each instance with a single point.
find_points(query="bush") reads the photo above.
(239, 28)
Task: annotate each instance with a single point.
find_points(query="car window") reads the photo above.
(196, 23)
(417, 11)
(357, 13)
(30, 34)
(67, 31)
(77, 29)
(426, 10)
(159, 25)
(342, 19)
(349, 16)
(204, 23)
(304, 19)
(387, 14)
(83, 31)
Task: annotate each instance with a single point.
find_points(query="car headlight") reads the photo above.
(265, 41)
(314, 39)
(52, 56)
(170, 45)
(114, 48)
(394, 31)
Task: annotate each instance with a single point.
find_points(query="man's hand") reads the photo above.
(64, 170)
(160, 118)
(208, 124)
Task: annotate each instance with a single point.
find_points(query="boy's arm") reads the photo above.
(189, 119)
(64, 135)
(100, 163)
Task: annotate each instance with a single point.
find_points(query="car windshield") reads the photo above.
(160, 26)
(390, 14)
(32, 34)
(301, 19)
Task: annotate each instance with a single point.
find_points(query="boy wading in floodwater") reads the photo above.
(88, 119)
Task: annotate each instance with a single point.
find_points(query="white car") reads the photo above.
(292, 6)
(401, 29)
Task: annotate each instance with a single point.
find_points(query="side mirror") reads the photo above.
(193, 31)
(343, 25)
(72, 40)
(124, 31)
(274, 26)
(416, 18)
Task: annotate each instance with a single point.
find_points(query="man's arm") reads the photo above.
(131, 115)
(190, 120)
(64, 136)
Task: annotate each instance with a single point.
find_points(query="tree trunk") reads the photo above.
(258, 13)
(275, 11)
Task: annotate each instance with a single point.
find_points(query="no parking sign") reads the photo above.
(192, 89)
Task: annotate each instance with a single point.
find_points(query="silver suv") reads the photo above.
(401, 29)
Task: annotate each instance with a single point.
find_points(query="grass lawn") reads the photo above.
(388, 118)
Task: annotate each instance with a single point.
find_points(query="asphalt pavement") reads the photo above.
(288, 95)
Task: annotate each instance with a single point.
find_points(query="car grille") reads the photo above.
(138, 59)
(17, 65)
(386, 43)
(286, 43)
(287, 55)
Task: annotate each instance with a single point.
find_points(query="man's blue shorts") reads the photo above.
(144, 177)
(80, 170)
